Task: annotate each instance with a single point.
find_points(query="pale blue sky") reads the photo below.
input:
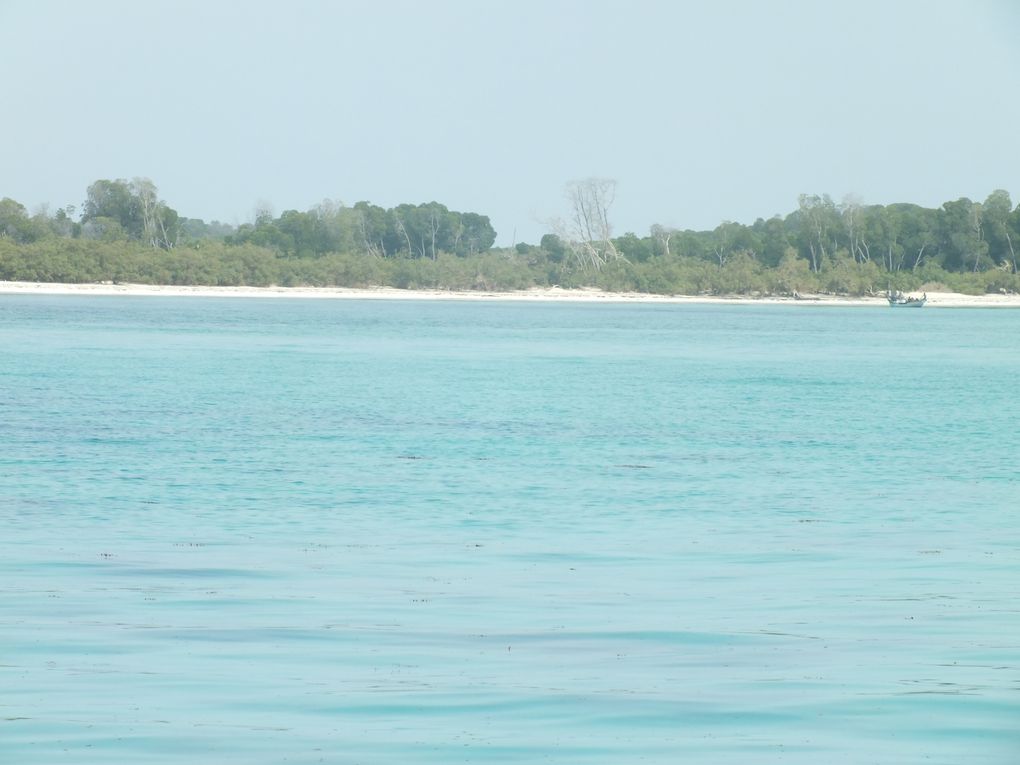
(702, 112)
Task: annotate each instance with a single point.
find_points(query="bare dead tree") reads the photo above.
(815, 211)
(434, 223)
(264, 212)
(588, 232)
(975, 220)
(153, 224)
(850, 210)
(663, 234)
(145, 191)
(402, 230)
(376, 249)
(920, 256)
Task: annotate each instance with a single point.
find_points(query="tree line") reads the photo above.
(124, 232)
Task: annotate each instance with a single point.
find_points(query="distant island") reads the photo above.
(123, 233)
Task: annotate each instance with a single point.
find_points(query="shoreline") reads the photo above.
(542, 294)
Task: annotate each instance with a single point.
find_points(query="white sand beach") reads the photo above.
(547, 294)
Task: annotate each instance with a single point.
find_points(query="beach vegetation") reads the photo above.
(124, 233)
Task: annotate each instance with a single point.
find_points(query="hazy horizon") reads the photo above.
(700, 114)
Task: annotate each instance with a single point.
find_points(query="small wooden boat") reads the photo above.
(898, 300)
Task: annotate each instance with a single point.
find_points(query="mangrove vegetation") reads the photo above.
(124, 233)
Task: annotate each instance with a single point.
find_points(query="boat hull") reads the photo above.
(899, 300)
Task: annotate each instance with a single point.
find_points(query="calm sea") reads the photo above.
(266, 531)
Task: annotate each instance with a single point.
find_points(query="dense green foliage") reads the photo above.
(417, 231)
(124, 233)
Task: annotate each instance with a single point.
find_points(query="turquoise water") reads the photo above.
(267, 531)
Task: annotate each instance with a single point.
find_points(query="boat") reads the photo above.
(898, 300)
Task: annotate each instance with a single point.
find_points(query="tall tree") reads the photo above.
(16, 225)
(850, 211)
(114, 201)
(160, 223)
(998, 216)
(731, 238)
(375, 230)
(773, 240)
(476, 234)
(135, 208)
(662, 236)
(818, 223)
(962, 236)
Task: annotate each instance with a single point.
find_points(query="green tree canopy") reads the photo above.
(136, 210)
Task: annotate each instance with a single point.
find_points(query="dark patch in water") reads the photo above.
(191, 573)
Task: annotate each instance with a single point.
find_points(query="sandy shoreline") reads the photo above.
(549, 294)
